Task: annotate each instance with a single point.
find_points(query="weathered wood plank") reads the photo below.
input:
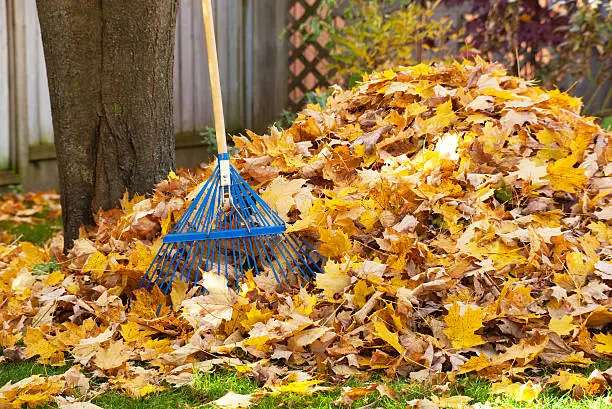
(185, 55)
(31, 70)
(9, 178)
(270, 69)
(19, 79)
(176, 74)
(10, 20)
(252, 58)
(5, 154)
(203, 112)
(248, 63)
(229, 45)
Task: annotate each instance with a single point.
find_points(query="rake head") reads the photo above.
(229, 229)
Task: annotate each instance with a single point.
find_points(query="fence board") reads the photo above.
(269, 64)
(202, 114)
(228, 25)
(32, 72)
(4, 90)
(252, 60)
(19, 81)
(248, 63)
(185, 85)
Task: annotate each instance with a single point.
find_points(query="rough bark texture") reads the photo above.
(109, 65)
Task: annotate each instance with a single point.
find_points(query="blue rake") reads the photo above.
(229, 229)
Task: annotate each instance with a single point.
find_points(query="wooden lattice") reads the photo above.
(307, 59)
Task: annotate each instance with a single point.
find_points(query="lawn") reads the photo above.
(210, 386)
(213, 385)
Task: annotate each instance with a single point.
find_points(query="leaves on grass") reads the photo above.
(465, 215)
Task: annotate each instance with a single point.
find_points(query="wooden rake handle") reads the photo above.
(213, 69)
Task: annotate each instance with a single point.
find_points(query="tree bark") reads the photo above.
(109, 66)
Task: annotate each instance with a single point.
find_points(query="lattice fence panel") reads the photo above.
(307, 59)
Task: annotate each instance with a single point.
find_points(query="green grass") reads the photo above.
(16, 371)
(172, 398)
(213, 385)
(38, 233)
(216, 384)
(184, 397)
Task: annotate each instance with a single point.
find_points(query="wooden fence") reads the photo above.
(307, 59)
(252, 60)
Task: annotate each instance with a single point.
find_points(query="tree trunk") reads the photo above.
(110, 66)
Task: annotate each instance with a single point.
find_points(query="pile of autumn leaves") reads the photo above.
(465, 218)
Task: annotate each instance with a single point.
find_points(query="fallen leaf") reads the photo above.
(233, 400)
(521, 392)
(460, 328)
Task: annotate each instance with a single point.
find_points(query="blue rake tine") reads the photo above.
(225, 213)
(228, 229)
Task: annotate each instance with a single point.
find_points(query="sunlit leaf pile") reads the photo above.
(465, 216)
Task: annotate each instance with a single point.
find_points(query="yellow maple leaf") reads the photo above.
(306, 337)
(215, 307)
(415, 109)
(132, 331)
(604, 343)
(391, 338)
(578, 268)
(255, 315)
(33, 391)
(603, 232)
(37, 344)
(165, 224)
(55, 278)
(452, 402)
(96, 263)
(361, 292)
(475, 364)
(128, 204)
(112, 357)
(148, 389)
(233, 400)
(562, 326)
(304, 302)
(443, 118)
(522, 392)
(32, 254)
(333, 280)
(140, 259)
(547, 136)
(368, 218)
(8, 340)
(565, 177)
(307, 387)
(567, 380)
(334, 243)
(147, 304)
(389, 74)
(461, 328)
(178, 293)
(280, 195)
